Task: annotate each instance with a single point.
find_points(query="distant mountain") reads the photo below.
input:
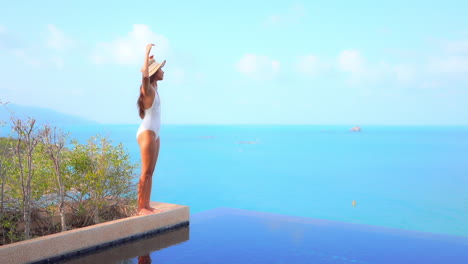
(42, 115)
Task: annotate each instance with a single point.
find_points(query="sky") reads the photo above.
(241, 62)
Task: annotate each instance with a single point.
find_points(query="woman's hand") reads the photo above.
(148, 48)
(144, 69)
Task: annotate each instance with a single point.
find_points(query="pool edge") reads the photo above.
(91, 237)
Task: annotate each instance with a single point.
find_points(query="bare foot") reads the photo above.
(144, 211)
(154, 210)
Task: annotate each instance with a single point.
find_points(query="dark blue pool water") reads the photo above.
(239, 236)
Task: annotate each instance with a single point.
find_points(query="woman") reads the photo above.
(148, 133)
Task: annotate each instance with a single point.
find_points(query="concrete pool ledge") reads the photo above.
(97, 236)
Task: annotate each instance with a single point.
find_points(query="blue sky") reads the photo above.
(241, 62)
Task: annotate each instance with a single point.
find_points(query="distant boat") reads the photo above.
(356, 129)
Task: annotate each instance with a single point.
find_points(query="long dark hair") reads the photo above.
(141, 109)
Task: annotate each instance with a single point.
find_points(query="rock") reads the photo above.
(356, 129)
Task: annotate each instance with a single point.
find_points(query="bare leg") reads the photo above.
(147, 143)
(148, 193)
(150, 182)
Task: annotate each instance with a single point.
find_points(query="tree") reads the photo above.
(3, 149)
(102, 172)
(53, 141)
(26, 143)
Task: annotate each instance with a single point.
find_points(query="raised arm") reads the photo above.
(145, 84)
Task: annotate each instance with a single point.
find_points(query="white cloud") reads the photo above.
(430, 84)
(57, 61)
(292, 15)
(311, 65)
(297, 10)
(351, 61)
(56, 39)
(258, 67)
(129, 50)
(450, 65)
(274, 19)
(458, 47)
(404, 73)
(27, 58)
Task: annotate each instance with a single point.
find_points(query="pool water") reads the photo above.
(227, 235)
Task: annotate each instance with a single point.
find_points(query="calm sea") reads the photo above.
(409, 177)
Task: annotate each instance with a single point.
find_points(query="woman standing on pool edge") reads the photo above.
(149, 108)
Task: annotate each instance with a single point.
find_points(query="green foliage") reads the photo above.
(102, 172)
(9, 222)
(97, 178)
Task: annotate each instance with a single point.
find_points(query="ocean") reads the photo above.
(408, 177)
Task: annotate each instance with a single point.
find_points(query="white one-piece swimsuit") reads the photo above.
(152, 119)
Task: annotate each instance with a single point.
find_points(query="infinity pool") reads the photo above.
(239, 236)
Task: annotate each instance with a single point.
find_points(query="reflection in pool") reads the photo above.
(139, 250)
(239, 236)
